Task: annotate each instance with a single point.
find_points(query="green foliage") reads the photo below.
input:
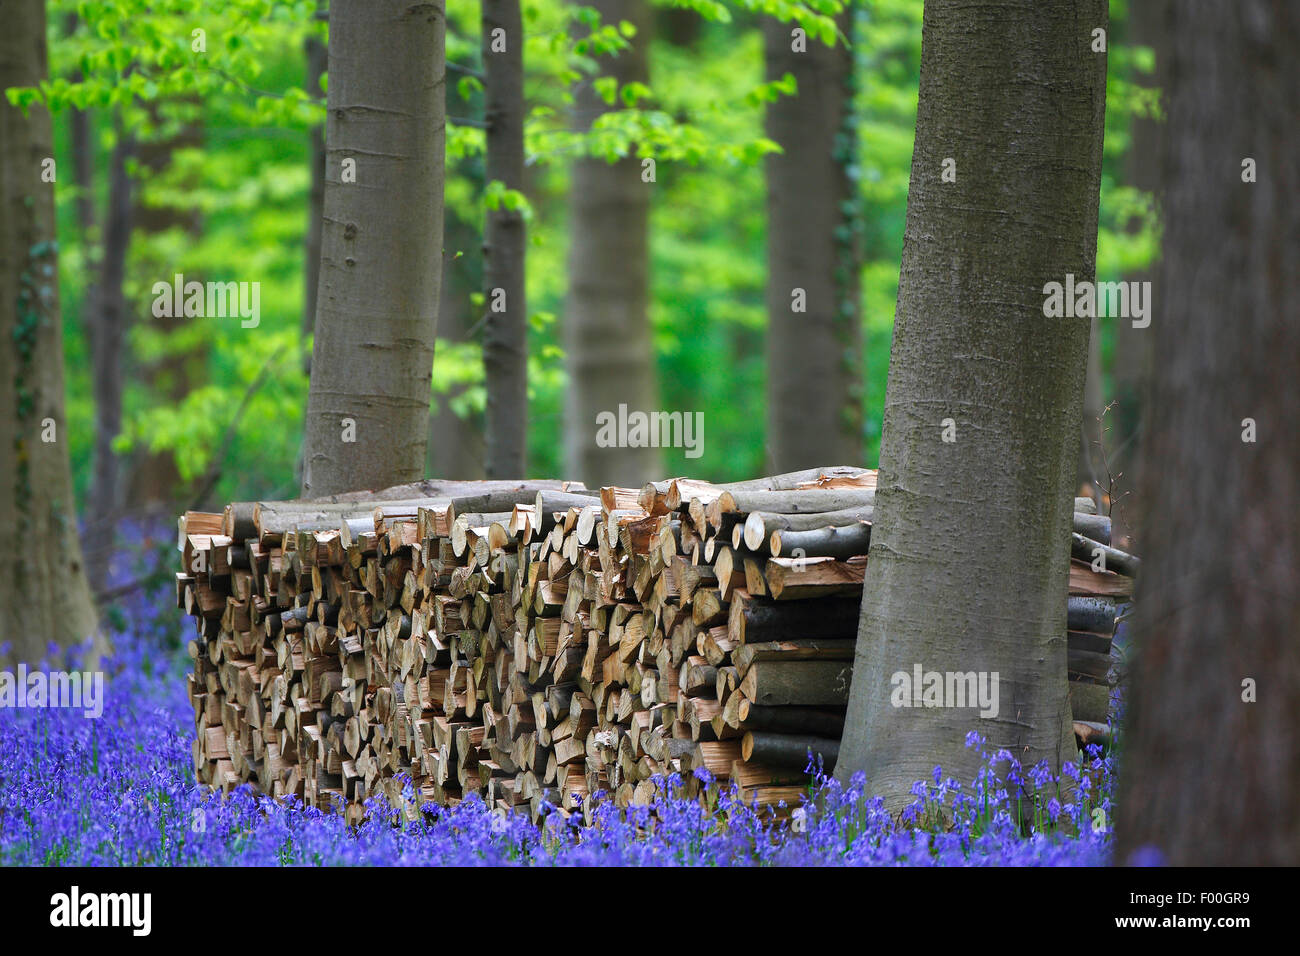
(233, 121)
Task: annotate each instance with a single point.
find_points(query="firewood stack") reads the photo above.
(538, 642)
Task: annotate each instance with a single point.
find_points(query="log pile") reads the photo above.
(536, 643)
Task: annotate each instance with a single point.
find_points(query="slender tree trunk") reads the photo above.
(608, 349)
(1211, 773)
(970, 544)
(814, 338)
(155, 480)
(505, 331)
(44, 595)
(107, 322)
(317, 61)
(1132, 352)
(381, 247)
(1089, 464)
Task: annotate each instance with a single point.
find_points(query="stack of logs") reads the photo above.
(538, 642)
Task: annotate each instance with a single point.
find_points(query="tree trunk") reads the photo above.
(1211, 774)
(317, 55)
(155, 479)
(381, 262)
(505, 329)
(1090, 473)
(1132, 352)
(106, 323)
(44, 595)
(608, 349)
(814, 338)
(970, 542)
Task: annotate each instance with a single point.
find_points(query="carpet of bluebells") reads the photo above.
(120, 790)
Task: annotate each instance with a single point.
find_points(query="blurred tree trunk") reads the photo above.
(317, 61)
(505, 330)
(1132, 353)
(1211, 772)
(106, 323)
(154, 481)
(456, 442)
(1089, 466)
(970, 546)
(608, 346)
(44, 594)
(381, 248)
(814, 338)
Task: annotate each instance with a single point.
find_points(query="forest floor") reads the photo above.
(120, 790)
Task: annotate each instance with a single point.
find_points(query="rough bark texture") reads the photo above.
(381, 245)
(814, 364)
(505, 329)
(969, 555)
(44, 595)
(1209, 779)
(608, 349)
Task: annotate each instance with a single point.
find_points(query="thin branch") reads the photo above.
(215, 469)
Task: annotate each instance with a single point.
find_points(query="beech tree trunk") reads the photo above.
(154, 481)
(381, 247)
(44, 594)
(1211, 773)
(608, 350)
(106, 323)
(814, 337)
(317, 56)
(970, 537)
(1132, 351)
(505, 329)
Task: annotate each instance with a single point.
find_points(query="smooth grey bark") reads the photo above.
(608, 349)
(970, 543)
(381, 245)
(44, 594)
(505, 328)
(1209, 779)
(814, 346)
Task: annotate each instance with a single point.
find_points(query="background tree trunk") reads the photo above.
(505, 332)
(155, 479)
(317, 55)
(1090, 472)
(106, 323)
(1132, 352)
(1209, 779)
(814, 357)
(608, 349)
(381, 247)
(970, 541)
(44, 594)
